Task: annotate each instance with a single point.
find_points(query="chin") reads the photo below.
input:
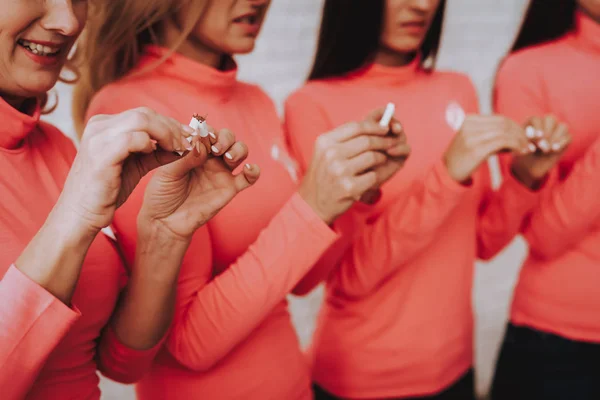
(243, 47)
(39, 86)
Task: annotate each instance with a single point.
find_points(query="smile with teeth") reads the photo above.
(39, 49)
(249, 19)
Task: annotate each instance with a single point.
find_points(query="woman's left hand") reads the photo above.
(551, 138)
(186, 194)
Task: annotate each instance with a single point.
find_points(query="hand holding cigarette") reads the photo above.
(347, 162)
(549, 139)
(184, 195)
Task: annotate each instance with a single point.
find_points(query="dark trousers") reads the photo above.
(463, 389)
(534, 365)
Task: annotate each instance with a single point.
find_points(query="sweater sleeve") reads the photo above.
(501, 212)
(567, 212)
(304, 121)
(120, 362)
(215, 315)
(408, 226)
(33, 322)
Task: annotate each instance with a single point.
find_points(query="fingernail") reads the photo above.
(203, 133)
(214, 149)
(212, 135)
(556, 146)
(188, 129)
(228, 156)
(544, 145)
(397, 126)
(530, 132)
(531, 147)
(248, 166)
(187, 143)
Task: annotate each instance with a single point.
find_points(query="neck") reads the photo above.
(391, 58)
(191, 48)
(596, 18)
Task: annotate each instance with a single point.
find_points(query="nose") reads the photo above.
(60, 17)
(424, 5)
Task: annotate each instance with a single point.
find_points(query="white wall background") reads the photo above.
(477, 33)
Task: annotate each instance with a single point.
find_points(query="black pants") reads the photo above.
(534, 365)
(463, 389)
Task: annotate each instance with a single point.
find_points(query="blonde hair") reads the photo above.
(114, 38)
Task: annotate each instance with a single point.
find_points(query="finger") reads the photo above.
(225, 139)
(397, 129)
(400, 150)
(247, 177)
(169, 134)
(550, 123)
(560, 138)
(386, 171)
(353, 129)
(363, 143)
(534, 128)
(185, 164)
(235, 155)
(364, 162)
(358, 185)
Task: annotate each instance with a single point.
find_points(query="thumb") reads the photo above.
(185, 164)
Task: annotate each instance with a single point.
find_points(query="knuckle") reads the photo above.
(330, 154)
(337, 168)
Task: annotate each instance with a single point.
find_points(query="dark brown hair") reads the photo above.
(350, 36)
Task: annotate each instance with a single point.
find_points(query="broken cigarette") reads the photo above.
(198, 123)
(387, 115)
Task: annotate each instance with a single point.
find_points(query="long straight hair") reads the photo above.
(114, 40)
(545, 21)
(350, 37)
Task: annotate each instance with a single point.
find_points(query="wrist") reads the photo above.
(312, 202)
(524, 176)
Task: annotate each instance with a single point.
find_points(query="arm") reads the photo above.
(35, 293)
(501, 212)
(215, 315)
(304, 121)
(567, 212)
(136, 331)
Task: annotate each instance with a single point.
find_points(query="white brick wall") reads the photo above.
(476, 35)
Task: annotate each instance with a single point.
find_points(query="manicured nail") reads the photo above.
(556, 147)
(212, 135)
(214, 149)
(248, 166)
(530, 132)
(186, 142)
(229, 156)
(531, 147)
(397, 126)
(544, 145)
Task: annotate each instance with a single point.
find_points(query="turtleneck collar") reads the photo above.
(210, 81)
(587, 32)
(16, 125)
(383, 75)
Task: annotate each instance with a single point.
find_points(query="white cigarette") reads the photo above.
(198, 127)
(387, 115)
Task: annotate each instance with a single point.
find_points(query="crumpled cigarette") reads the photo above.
(198, 123)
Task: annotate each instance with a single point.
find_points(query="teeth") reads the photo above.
(36, 48)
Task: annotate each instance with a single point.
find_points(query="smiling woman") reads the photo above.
(60, 318)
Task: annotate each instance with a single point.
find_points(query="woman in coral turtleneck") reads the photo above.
(232, 337)
(397, 322)
(552, 344)
(59, 316)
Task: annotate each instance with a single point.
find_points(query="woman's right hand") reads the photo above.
(345, 165)
(116, 151)
(480, 137)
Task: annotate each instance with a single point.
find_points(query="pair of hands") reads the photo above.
(537, 147)
(117, 151)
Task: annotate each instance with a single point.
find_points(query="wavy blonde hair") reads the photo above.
(114, 38)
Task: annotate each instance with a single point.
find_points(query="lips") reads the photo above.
(40, 48)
